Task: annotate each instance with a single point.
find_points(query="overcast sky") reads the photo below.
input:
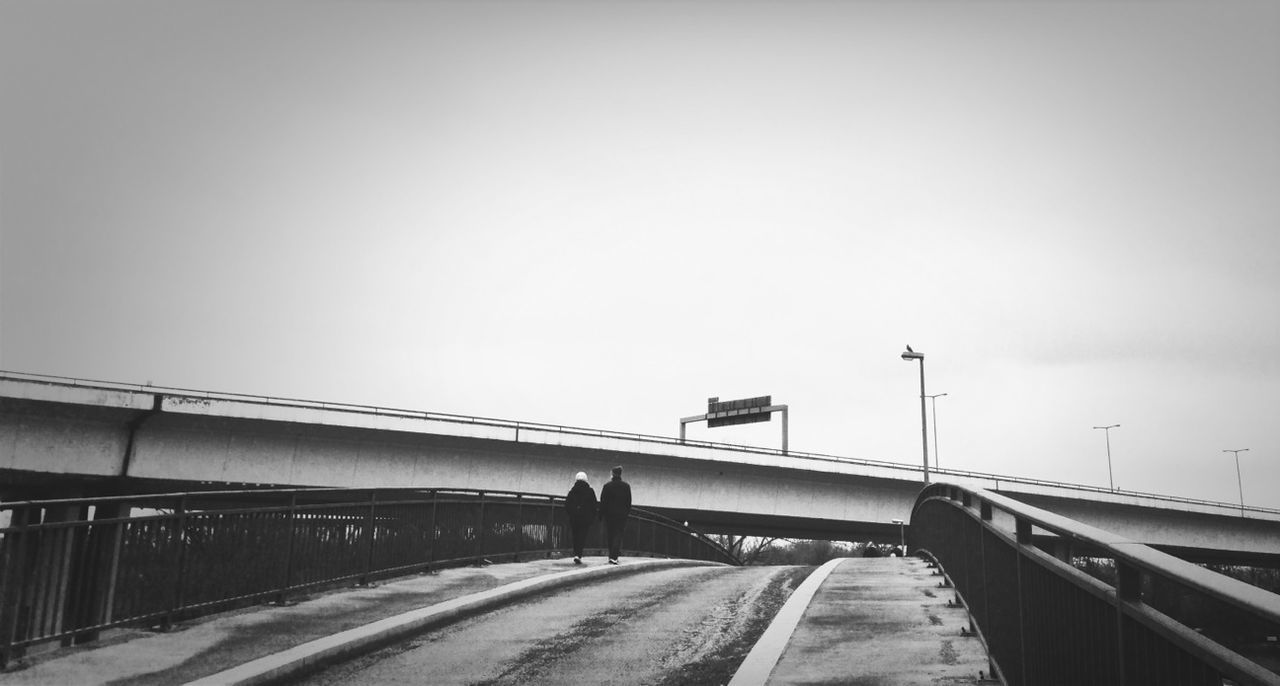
(600, 214)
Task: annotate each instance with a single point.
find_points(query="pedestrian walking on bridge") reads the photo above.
(581, 506)
(615, 506)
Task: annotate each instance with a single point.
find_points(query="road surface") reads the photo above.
(676, 626)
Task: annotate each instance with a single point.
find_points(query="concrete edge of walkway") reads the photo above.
(759, 663)
(315, 654)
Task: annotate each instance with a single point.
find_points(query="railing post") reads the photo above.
(1128, 590)
(115, 547)
(291, 534)
(551, 538)
(1063, 550)
(95, 571)
(60, 562)
(984, 509)
(480, 534)
(180, 540)
(980, 567)
(435, 505)
(1128, 582)
(1023, 528)
(519, 527)
(19, 547)
(369, 527)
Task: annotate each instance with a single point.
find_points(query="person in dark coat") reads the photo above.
(615, 505)
(581, 506)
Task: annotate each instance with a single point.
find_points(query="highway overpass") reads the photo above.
(66, 438)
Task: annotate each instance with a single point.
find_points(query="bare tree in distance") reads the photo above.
(748, 549)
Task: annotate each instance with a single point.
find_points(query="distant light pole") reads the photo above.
(933, 404)
(910, 355)
(1239, 484)
(1108, 429)
(902, 536)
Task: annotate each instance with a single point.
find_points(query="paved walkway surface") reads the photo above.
(869, 621)
(259, 643)
(882, 621)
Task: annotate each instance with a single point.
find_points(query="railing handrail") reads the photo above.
(1044, 620)
(637, 512)
(1232, 591)
(378, 411)
(105, 499)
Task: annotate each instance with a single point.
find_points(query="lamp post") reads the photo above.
(902, 536)
(1108, 429)
(910, 355)
(1239, 484)
(933, 404)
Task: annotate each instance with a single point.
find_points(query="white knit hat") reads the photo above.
(582, 476)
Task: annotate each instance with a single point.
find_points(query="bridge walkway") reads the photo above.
(263, 642)
(887, 621)
(856, 620)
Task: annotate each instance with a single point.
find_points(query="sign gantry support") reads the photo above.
(743, 411)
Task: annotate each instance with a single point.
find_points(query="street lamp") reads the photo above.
(910, 355)
(1108, 432)
(902, 536)
(933, 403)
(1238, 482)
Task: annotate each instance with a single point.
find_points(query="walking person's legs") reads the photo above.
(615, 528)
(579, 538)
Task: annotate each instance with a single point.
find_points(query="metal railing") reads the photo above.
(908, 470)
(71, 568)
(1165, 622)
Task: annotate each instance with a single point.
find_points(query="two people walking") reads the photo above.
(613, 507)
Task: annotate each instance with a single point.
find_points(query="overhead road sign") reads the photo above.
(741, 411)
(744, 411)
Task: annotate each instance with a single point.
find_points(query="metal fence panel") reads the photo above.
(1045, 622)
(65, 574)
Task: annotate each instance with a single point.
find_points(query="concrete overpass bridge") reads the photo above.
(69, 438)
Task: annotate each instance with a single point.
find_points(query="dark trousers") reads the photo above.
(613, 527)
(579, 528)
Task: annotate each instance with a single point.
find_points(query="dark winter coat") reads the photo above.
(615, 499)
(581, 502)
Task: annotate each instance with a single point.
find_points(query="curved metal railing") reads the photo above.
(995, 481)
(1163, 622)
(71, 568)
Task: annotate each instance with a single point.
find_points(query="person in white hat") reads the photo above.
(581, 506)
